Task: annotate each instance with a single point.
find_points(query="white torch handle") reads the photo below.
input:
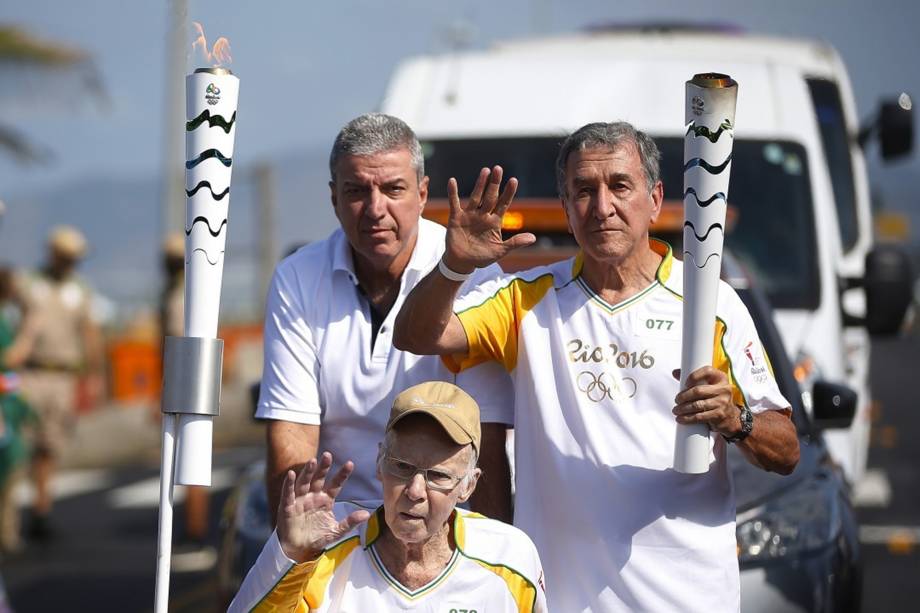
(164, 534)
(710, 115)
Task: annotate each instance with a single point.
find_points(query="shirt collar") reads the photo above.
(372, 529)
(342, 258)
(421, 259)
(658, 246)
(667, 259)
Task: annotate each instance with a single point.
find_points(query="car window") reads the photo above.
(836, 142)
(773, 234)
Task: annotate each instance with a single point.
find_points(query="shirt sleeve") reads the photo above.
(488, 383)
(274, 579)
(740, 354)
(491, 316)
(290, 371)
(539, 605)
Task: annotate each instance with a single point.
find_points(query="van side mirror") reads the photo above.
(896, 127)
(894, 124)
(833, 405)
(888, 286)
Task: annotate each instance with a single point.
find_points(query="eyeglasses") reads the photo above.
(435, 479)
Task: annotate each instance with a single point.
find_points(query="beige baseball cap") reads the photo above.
(450, 406)
(67, 240)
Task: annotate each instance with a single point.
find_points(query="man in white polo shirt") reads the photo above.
(592, 344)
(330, 370)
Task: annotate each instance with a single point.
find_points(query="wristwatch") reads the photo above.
(747, 424)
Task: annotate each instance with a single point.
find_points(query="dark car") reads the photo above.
(797, 534)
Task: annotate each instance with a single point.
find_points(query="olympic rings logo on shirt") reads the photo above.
(604, 385)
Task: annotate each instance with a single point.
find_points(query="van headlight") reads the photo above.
(803, 520)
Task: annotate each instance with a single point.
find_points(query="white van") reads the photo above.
(799, 193)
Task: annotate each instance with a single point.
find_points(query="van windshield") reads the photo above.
(773, 233)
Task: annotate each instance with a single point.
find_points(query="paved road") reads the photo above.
(891, 532)
(104, 557)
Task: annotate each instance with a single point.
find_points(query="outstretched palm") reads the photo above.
(306, 523)
(474, 230)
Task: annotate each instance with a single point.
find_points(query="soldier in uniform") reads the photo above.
(66, 344)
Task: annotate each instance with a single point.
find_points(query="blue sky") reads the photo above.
(307, 67)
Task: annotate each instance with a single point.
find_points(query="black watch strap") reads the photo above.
(747, 424)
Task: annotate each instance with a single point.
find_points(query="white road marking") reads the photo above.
(873, 490)
(883, 535)
(193, 561)
(66, 484)
(146, 493)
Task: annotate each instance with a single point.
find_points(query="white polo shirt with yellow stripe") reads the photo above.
(494, 569)
(618, 529)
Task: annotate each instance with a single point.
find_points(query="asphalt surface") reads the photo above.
(104, 553)
(890, 533)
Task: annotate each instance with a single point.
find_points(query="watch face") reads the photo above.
(747, 420)
(747, 424)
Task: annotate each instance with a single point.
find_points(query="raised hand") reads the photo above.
(474, 230)
(306, 524)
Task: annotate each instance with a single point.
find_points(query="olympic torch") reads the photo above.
(192, 364)
(710, 119)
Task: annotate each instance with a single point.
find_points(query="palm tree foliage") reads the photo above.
(28, 62)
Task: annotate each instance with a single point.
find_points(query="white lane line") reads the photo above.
(146, 493)
(873, 490)
(66, 484)
(884, 535)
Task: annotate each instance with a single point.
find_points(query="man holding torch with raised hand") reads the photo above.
(593, 345)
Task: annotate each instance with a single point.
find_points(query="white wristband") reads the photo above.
(451, 274)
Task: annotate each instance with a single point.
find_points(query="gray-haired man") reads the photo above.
(330, 371)
(591, 344)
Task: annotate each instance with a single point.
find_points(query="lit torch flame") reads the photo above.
(219, 53)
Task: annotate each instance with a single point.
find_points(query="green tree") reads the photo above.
(39, 63)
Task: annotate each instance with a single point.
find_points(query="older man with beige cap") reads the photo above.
(415, 552)
(65, 344)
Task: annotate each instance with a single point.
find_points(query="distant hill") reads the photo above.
(122, 218)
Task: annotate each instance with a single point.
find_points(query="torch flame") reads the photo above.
(219, 53)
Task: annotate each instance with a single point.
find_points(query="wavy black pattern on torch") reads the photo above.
(703, 203)
(207, 184)
(705, 132)
(714, 170)
(213, 121)
(207, 154)
(703, 265)
(214, 263)
(705, 236)
(214, 233)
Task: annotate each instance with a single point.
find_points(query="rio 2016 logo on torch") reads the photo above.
(212, 94)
